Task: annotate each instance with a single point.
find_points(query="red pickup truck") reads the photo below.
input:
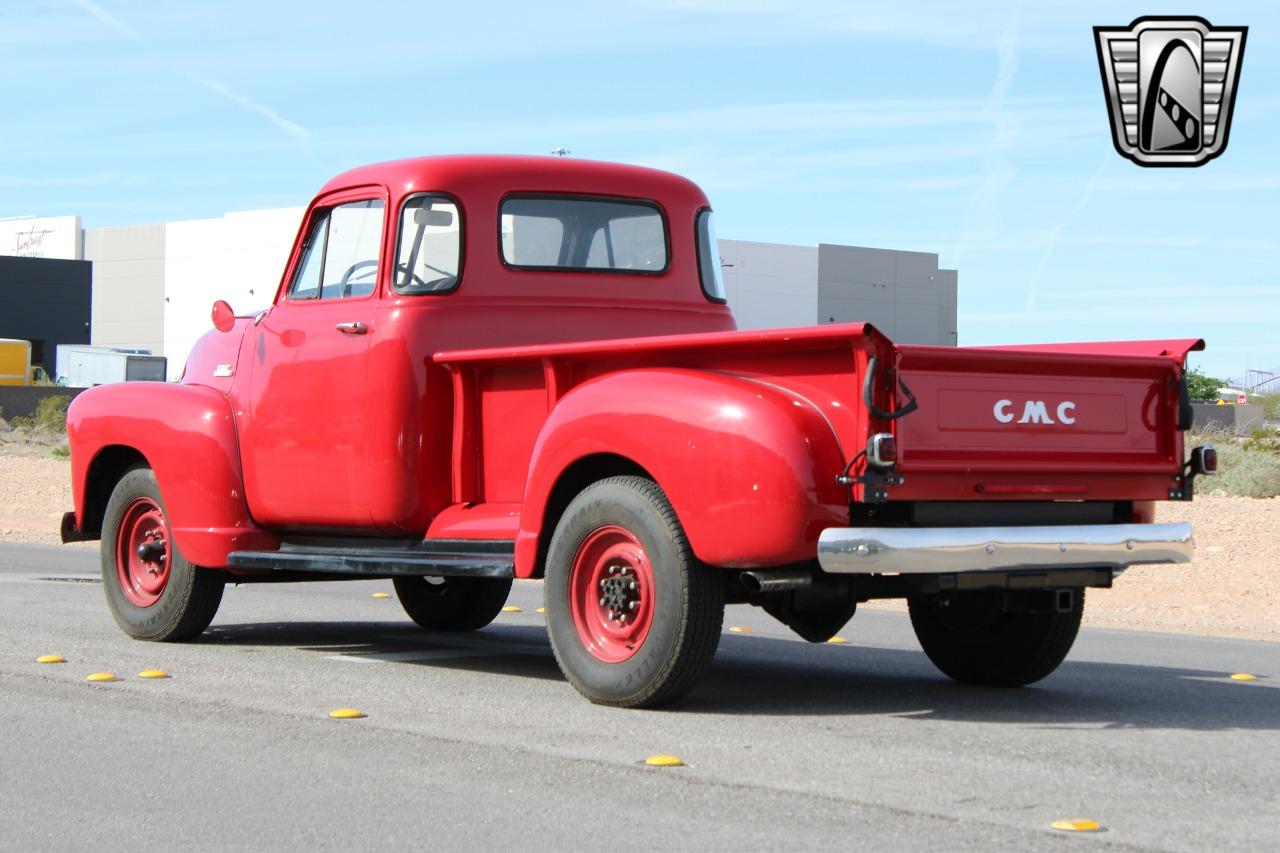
(484, 368)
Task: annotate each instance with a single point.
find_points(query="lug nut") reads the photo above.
(602, 600)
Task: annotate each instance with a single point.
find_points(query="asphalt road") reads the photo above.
(477, 742)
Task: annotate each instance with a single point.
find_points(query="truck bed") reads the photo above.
(1122, 444)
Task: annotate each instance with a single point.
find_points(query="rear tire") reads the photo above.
(154, 593)
(452, 604)
(973, 640)
(634, 618)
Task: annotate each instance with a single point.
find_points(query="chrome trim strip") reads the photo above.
(945, 550)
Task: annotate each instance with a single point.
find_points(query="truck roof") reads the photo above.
(503, 173)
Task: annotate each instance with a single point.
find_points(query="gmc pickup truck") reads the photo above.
(484, 368)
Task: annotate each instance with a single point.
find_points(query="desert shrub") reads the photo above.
(50, 415)
(1270, 405)
(62, 451)
(1246, 467)
(1266, 440)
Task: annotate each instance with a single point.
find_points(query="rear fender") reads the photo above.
(186, 435)
(748, 467)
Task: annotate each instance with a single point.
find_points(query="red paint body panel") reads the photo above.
(1121, 443)
(193, 450)
(747, 467)
(454, 415)
(1175, 348)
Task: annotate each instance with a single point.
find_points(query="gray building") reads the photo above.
(903, 294)
(128, 286)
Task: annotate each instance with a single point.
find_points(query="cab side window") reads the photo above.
(340, 258)
(429, 253)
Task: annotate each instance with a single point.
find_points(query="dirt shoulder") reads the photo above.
(1231, 589)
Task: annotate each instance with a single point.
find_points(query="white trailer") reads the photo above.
(85, 366)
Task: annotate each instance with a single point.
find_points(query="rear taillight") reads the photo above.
(1204, 460)
(882, 450)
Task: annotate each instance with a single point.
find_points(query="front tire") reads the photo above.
(452, 604)
(154, 593)
(974, 639)
(634, 618)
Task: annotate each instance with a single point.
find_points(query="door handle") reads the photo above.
(353, 328)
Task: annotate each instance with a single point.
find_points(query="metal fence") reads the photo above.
(1262, 381)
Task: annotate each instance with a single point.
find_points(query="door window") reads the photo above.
(340, 257)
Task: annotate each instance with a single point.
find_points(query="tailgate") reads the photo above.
(1084, 421)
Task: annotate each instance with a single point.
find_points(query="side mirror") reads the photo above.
(427, 216)
(223, 317)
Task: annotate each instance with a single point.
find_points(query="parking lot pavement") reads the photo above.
(476, 741)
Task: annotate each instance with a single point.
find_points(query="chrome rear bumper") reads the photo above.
(941, 550)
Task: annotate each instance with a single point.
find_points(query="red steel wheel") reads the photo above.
(142, 552)
(611, 593)
(633, 617)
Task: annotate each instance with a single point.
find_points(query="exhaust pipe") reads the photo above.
(776, 580)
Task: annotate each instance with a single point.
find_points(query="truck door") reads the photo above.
(303, 431)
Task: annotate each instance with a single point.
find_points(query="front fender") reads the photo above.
(748, 467)
(186, 434)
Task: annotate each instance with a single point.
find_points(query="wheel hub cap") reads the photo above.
(142, 552)
(611, 593)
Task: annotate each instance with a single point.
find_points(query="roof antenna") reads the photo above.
(560, 152)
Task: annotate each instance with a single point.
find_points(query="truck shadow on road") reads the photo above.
(766, 676)
(853, 681)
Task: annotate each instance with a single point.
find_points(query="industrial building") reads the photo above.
(46, 302)
(153, 285)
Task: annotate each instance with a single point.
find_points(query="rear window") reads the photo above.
(570, 233)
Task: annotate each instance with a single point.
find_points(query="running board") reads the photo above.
(446, 558)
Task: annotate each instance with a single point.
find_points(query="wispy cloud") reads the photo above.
(100, 179)
(938, 22)
(293, 129)
(1055, 233)
(107, 18)
(982, 211)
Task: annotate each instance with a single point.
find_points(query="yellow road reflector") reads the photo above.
(51, 659)
(739, 629)
(101, 676)
(541, 610)
(1079, 824)
(381, 595)
(664, 761)
(153, 673)
(1243, 676)
(511, 608)
(837, 640)
(347, 714)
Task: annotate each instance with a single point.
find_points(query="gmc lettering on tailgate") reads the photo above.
(1034, 412)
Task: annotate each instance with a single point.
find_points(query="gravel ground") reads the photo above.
(1231, 589)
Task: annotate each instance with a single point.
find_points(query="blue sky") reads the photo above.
(977, 131)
